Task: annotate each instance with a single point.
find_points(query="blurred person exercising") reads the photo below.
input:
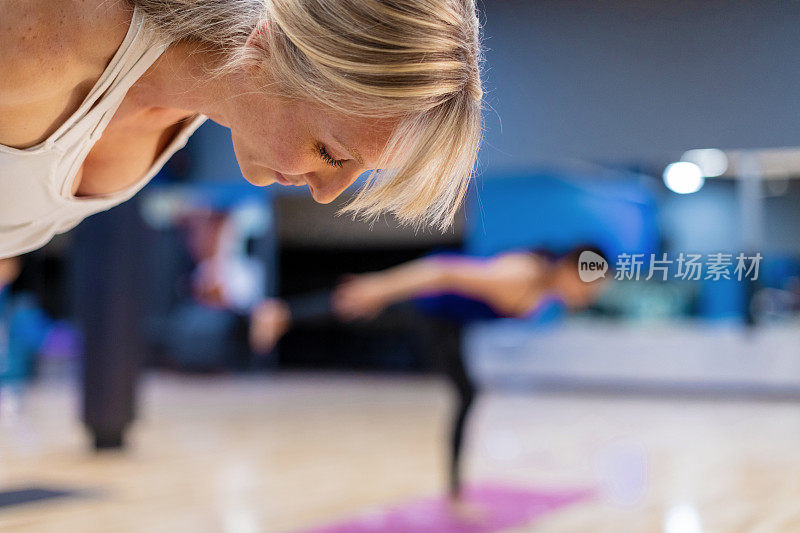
(453, 290)
(205, 326)
(26, 331)
(96, 95)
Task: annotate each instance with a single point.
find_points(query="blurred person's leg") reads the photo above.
(108, 285)
(444, 349)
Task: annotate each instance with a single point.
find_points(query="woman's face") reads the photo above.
(297, 143)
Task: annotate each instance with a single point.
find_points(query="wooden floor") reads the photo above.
(281, 453)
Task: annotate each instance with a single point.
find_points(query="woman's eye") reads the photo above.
(328, 158)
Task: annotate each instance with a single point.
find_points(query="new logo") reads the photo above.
(591, 266)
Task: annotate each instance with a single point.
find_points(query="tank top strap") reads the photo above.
(140, 48)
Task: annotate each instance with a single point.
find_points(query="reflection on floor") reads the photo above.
(304, 451)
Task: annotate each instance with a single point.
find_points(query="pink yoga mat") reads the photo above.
(502, 507)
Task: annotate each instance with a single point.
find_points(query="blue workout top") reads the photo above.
(465, 310)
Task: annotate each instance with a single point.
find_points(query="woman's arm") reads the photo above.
(509, 283)
(365, 295)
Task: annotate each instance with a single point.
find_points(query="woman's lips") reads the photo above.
(280, 179)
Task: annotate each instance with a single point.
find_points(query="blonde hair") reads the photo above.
(414, 61)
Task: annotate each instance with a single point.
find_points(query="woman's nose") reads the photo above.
(331, 185)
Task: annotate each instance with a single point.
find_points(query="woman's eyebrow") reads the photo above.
(352, 152)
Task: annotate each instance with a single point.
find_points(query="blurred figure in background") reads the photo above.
(23, 327)
(450, 290)
(515, 284)
(26, 332)
(206, 327)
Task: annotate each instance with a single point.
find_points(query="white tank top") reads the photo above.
(36, 200)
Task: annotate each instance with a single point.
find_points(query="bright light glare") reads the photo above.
(683, 177)
(682, 519)
(712, 162)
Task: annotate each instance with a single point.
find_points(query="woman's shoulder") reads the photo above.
(51, 54)
(47, 45)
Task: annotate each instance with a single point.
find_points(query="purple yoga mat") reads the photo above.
(501, 507)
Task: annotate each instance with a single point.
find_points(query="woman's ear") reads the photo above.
(256, 49)
(258, 37)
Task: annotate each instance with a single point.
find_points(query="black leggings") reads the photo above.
(445, 354)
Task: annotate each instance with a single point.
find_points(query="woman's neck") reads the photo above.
(180, 79)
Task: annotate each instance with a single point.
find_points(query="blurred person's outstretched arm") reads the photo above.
(510, 283)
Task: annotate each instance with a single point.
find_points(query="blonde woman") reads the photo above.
(96, 95)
